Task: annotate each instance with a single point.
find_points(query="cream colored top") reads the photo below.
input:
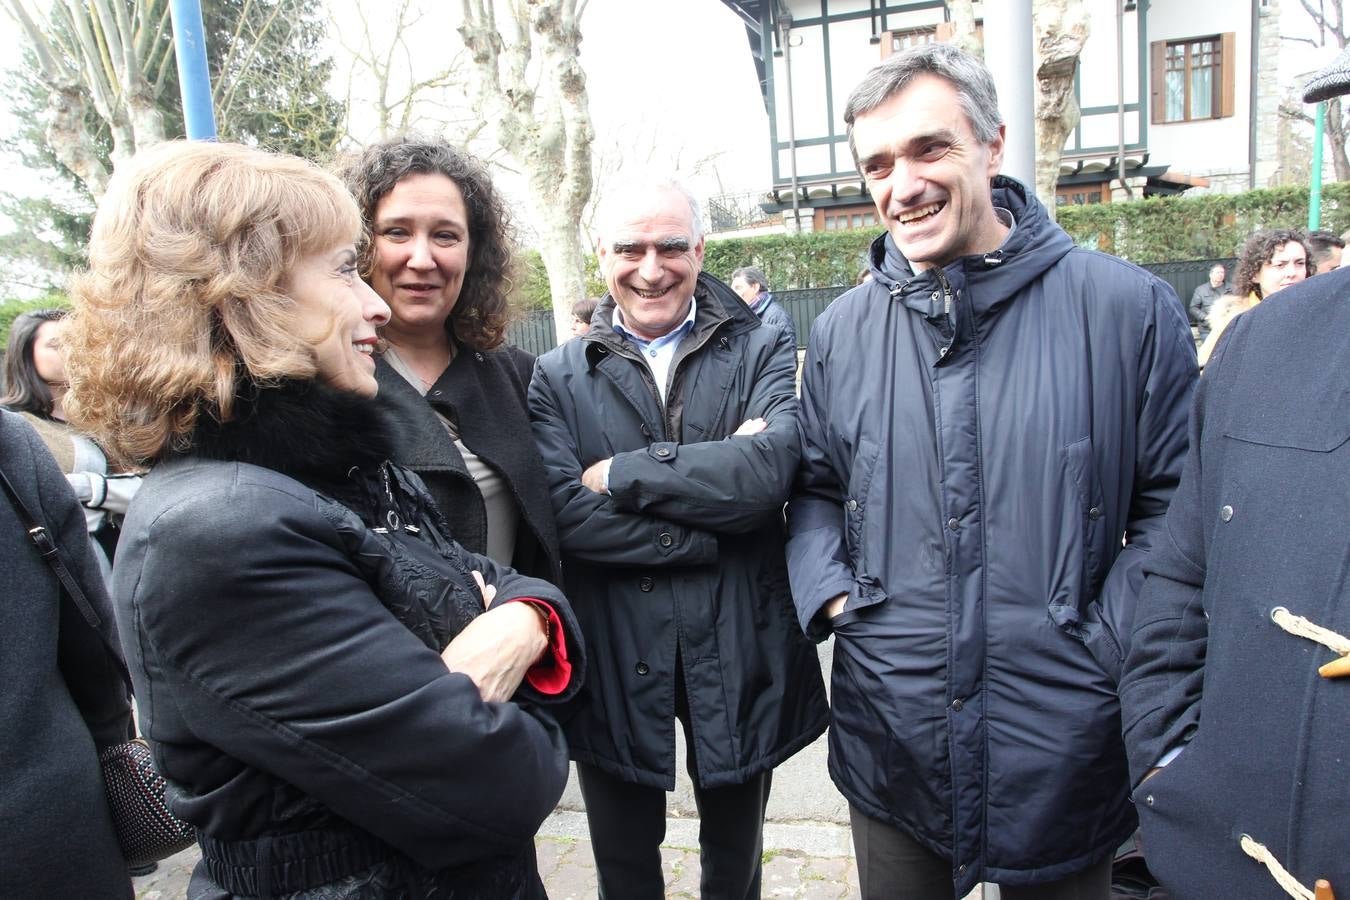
(502, 516)
(1225, 310)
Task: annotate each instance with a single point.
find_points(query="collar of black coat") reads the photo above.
(717, 307)
(1035, 244)
(299, 428)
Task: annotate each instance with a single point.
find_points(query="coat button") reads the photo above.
(852, 505)
(1095, 513)
(642, 668)
(1226, 513)
(961, 869)
(645, 584)
(666, 539)
(957, 706)
(663, 451)
(953, 523)
(1148, 801)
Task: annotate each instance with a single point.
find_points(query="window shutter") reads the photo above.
(1227, 77)
(1157, 52)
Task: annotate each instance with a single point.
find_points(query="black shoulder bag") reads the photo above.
(146, 829)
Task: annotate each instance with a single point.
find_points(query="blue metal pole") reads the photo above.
(1315, 191)
(189, 43)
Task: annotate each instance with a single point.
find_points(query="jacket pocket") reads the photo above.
(855, 503)
(1081, 468)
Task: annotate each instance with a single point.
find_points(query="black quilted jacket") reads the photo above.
(284, 593)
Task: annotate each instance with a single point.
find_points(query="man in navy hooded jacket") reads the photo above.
(993, 427)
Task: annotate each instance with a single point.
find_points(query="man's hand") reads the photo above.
(750, 426)
(834, 607)
(497, 648)
(594, 477)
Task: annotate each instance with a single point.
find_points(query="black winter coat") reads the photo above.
(1258, 523)
(683, 560)
(483, 392)
(774, 315)
(64, 697)
(284, 594)
(967, 480)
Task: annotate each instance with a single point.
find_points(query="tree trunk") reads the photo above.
(546, 130)
(962, 15)
(1335, 126)
(1061, 32)
(68, 138)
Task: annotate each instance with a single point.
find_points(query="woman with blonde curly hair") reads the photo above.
(316, 670)
(438, 250)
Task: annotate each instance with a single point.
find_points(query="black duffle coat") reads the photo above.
(1258, 525)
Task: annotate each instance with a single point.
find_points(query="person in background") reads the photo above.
(582, 311)
(992, 429)
(749, 284)
(35, 379)
(1204, 296)
(1325, 249)
(670, 436)
(346, 702)
(438, 250)
(65, 695)
(1272, 259)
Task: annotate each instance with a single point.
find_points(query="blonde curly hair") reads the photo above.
(185, 298)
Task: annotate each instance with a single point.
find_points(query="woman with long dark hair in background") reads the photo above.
(35, 385)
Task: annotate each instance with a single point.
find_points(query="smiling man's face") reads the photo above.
(929, 174)
(651, 260)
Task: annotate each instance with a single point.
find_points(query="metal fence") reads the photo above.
(533, 331)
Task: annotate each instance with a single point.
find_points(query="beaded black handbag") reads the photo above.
(147, 830)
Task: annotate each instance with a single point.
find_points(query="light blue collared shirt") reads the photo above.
(658, 353)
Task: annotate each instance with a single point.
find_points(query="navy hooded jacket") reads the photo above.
(988, 452)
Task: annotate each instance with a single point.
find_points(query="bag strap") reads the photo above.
(51, 553)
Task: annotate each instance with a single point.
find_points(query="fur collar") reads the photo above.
(302, 429)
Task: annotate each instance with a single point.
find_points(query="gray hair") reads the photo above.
(752, 275)
(974, 86)
(630, 189)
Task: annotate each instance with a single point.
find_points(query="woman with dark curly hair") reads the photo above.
(438, 251)
(1271, 260)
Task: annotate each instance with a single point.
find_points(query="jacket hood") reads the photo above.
(1034, 245)
(299, 428)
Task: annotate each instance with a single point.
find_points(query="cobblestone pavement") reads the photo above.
(568, 870)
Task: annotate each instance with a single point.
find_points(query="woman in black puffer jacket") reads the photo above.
(316, 672)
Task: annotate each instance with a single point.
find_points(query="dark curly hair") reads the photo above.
(480, 315)
(25, 391)
(1257, 251)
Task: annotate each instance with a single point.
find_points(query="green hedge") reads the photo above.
(1206, 226)
(1159, 229)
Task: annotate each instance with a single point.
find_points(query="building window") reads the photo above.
(1193, 78)
(1079, 195)
(893, 42)
(848, 221)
